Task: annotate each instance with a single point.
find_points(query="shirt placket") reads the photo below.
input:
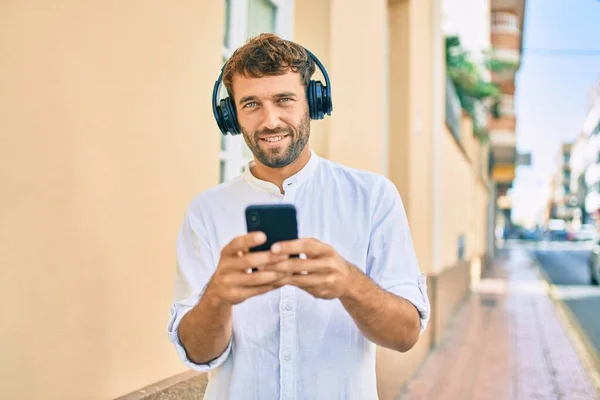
(287, 339)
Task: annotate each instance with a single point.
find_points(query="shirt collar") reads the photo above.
(295, 180)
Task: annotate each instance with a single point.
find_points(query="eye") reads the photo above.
(250, 104)
(285, 99)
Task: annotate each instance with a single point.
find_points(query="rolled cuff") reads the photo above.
(416, 293)
(178, 311)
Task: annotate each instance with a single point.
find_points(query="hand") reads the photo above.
(232, 283)
(324, 273)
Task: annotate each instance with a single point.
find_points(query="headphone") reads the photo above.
(319, 101)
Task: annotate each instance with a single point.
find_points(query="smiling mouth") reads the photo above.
(273, 139)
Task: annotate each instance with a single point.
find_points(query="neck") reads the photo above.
(277, 175)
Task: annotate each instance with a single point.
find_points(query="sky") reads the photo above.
(559, 66)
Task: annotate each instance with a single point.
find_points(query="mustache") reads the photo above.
(265, 132)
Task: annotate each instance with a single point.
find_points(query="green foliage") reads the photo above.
(499, 65)
(470, 86)
(481, 133)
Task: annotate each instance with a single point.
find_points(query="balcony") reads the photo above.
(505, 23)
(506, 41)
(504, 62)
(505, 81)
(505, 77)
(504, 153)
(500, 138)
(504, 123)
(508, 56)
(512, 6)
(507, 105)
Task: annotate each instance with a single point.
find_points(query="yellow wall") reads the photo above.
(468, 141)
(422, 78)
(106, 136)
(356, 136)
(312, 30)
(479, 220)
(457, 201)
(400, 124)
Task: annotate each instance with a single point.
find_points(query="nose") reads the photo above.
(271, 116)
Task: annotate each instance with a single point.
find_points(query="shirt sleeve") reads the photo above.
(195, 266)
(391, 259)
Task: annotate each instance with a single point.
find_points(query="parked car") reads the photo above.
(529, 234)
(557, 229)
(594, 264)
(586, 233)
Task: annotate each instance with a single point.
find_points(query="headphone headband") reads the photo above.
(318, 96)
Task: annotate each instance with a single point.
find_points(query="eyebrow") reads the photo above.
(246, 99)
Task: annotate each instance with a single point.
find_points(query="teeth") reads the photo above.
(273, 138)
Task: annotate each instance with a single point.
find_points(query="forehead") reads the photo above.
(267, 85)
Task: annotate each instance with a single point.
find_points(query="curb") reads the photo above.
(583, 346)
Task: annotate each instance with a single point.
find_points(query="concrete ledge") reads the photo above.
(188, 385)
(450, 288)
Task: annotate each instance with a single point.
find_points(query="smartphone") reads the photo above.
(277, 221)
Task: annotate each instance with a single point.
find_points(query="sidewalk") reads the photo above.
(507, 342)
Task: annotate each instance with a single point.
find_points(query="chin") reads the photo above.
(278, 161)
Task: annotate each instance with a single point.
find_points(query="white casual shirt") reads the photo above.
(286, 344)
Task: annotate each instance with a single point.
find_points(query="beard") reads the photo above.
(282, 156)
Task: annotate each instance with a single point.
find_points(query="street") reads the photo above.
(566, 267)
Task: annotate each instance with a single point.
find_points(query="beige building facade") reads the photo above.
(107, 134)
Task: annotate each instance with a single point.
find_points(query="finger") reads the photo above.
(297, 265)
(309, 281)
(244, 243)
(254, 260)
(259, 278)
(313, 248)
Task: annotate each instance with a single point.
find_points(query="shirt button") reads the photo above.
(289, 306)
(287, 356)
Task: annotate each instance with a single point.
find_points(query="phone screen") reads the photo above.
(277, 221)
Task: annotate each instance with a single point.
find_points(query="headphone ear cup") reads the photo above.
(229, 117)
(310, 97)
(317, 100)
(219, 118)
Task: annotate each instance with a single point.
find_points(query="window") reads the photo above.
(245, 19)
(262, 16)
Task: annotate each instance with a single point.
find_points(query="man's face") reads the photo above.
(273, 115)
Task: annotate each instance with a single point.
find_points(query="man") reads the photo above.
(275, 333)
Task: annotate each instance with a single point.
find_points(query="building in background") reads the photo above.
(579, 162)
(507, 18)
(585, 162)
(564, 203)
